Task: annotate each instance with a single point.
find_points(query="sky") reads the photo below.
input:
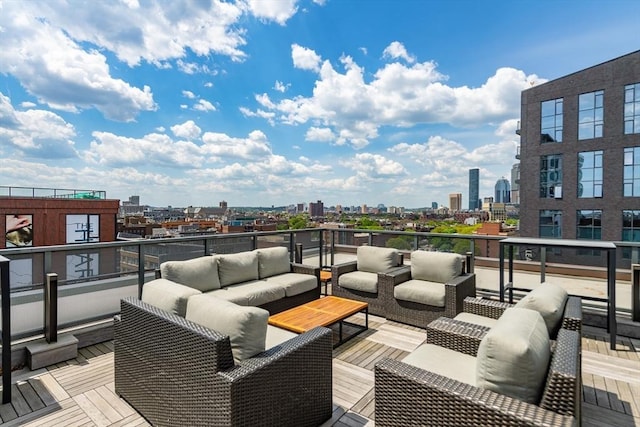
(279, 102)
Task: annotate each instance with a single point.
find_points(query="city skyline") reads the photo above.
(266, 103)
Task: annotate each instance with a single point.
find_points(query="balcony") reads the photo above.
(80, 390)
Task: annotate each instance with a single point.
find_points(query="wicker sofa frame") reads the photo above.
(412, 313)
(175, 373)
(409, 396)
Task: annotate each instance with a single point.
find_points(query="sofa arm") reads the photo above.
(456, 291)
(307, 269)
(409, 396)
(290, 384)
(572, 318)
(456, 335)
(485, 307)
(338, 269)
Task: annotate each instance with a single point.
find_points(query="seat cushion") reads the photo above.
(257, 292)
(227, 295)
(167, 295)
(513, 358)
(476, 319)
(443, 361)
(359, 281)
(549, 300)
(421, 292)
(199, 273)
(276, 336)
(245, 326)
(438, 267)
(373, 259)
(294, 283)
(272, 261)
(237, 268)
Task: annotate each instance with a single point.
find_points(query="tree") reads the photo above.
(298, 222)
(400, 243)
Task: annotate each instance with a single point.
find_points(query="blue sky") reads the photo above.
(277, 102)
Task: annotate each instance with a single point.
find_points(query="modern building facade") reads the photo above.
(474, 189)
(503, 191)
(515, 184)
(316, 209)
(455, 202)
(580, 152)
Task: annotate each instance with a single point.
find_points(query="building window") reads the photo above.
(590, 115)
(551, 121)
(590, 174)
(551, 224)
(589, 224)
(631, 174)
(630, 229)
(551, 176)
(83, 228)
(632, 108)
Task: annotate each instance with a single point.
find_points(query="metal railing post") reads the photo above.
(635, 292)
(543, 264)
(6, 329)
(51, 307)
(292, 248)
(333, 246)
(321, 245)
(140, 270)
(206, 247)
(298, 258)
(501, 269)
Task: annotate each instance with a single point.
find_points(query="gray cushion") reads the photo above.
(373, 259)
(245, 326)
(359, 281)
(228, 295)
(167, 295)
(276, 336)
(443, 361)
(435, 266)
(421, 292)
(294, 283)
(237, 268)
(199, 273)
(257, 292)
(513, 358)
(272, 261)
(549, 300)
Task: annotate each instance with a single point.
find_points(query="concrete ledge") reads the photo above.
(40, 353)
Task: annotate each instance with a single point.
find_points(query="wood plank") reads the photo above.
(30, 395)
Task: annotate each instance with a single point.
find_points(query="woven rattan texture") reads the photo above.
(375, 301)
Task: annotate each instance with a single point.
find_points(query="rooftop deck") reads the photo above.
(80, 392)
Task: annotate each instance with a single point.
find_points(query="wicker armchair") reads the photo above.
(175, 372)
(420, 314)
(406, 395)
(359, 280)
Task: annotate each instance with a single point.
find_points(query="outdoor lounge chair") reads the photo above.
(434, 285)
(513, 380)
(359, 280)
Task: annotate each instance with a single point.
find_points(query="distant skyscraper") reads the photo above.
(455, 201)
(316, 209)
(434, 205)
(503, 191)
(474, 189)
(515, 183)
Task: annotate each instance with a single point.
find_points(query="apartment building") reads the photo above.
(580, 154)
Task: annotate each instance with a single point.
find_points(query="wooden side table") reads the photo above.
(325, 278)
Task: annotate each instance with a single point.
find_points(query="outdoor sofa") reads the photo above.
(515, 378)
(262, 278)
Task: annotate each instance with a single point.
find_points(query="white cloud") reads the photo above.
(188, 94)
(397, 50)
(320, 134)
(375, 166)
(27, 104)
(305, 58)
(273, 10)
(208, 84)
(222, 145)
(281, 87)
(188, 130)
(204, 105)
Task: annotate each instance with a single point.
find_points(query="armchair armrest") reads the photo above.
(485, 307)
(338, 269)
(572, 318)
(409, 396)
(389, 279)
(456, 335)
(306, 269)
(456, 291)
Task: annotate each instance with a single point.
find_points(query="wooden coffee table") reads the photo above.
(325, 311)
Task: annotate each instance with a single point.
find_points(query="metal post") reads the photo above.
(51, 307)
(6, 329)
(501, 269)
(333, 246)
(635, 292)
(298, 258)
(292, 248)
(611, 306)
(140, 270)
(470, 266)
(206, 247)
(321, 244)
(543, 264)
(511, 274)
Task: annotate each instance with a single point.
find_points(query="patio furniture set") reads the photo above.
(238, 352)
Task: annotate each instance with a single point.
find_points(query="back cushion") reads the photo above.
(199, 273)
(238, 268)
(549, 300)
(437, 267)
(245, 326)
(513, 358)
(373, 259)
(168, 296)
(273, 261)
